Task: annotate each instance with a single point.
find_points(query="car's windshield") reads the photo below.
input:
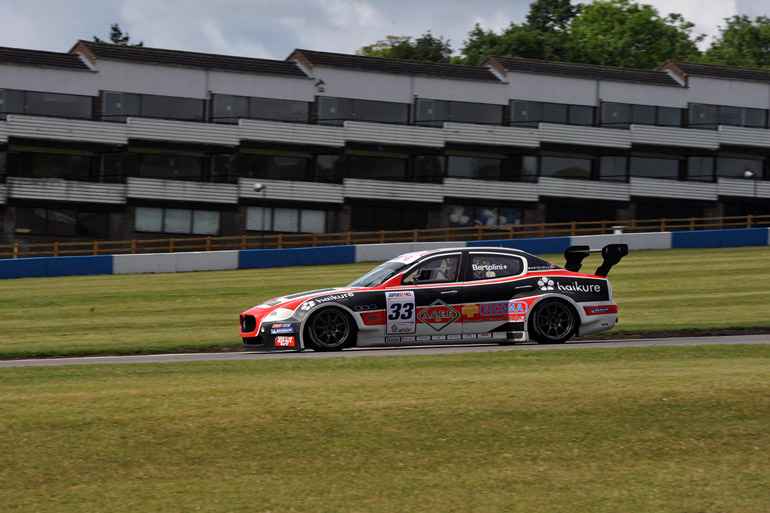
(378, 275)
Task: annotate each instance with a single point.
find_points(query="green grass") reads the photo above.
(634, 430)
(671, 290)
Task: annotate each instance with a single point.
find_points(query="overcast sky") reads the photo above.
(273, 28)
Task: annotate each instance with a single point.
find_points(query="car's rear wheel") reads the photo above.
(552, 322)
(330, 329)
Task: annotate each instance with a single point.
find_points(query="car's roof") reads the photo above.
(412, 257)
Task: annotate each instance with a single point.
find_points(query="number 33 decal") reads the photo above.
(401, 312)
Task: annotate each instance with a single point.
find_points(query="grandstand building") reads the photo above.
(122, 142)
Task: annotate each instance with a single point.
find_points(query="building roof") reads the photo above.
(311, 58)
(717, 71)
(39, 58)
(146, 55)
(588, 71)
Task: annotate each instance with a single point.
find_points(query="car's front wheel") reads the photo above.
(330, 329)
(553, 322)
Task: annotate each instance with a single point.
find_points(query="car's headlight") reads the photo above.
(278, 314)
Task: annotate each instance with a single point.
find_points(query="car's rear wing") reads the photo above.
(611, 255)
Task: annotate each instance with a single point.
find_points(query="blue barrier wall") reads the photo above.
(260, 258)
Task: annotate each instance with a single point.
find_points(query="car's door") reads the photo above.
(425, 307)
(489, 290)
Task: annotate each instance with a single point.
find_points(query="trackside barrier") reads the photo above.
(261, 258)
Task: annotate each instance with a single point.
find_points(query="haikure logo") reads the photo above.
(545, 283)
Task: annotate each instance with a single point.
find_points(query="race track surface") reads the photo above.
(386, 351)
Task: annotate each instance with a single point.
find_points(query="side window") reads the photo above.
(486, 266)
(436, 270)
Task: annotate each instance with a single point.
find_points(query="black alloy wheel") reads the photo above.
(552, 322)
(330, 329)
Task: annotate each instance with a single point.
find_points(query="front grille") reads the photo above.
(248, 323)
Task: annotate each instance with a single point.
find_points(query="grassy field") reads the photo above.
(671, 290)
(634, 430)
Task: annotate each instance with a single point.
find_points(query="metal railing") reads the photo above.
(297, 240)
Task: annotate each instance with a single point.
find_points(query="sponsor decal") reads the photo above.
(546, 284)
(395, 328)
(468, 336)
(541, 267)
(284, 341)
(438, 337)
(438, 315)
(392, 339)
(600, 310)
(469, 311)
(373, 318)
(512, 307)
(403, 293)
(485, 335)
(423, 338)
(407, 339)
(454, 337)
(307, 305)
(489, 267)
(277, 331)
(281, 326)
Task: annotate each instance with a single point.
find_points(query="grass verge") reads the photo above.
(658, 291)
(665, 429)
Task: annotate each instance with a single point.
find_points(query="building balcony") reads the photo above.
(743, 188)
(286, 190)
(466, 133)
(60, 129)
(662, 188)
(741, 136)
(181, 131)
(394, 191)
(3, 132)
(672, 136)
(507, 191)
(403, 135)
(584, 135)
(291, 133)
(56, 189)
(3, 194)
(584, 189)
(180, 190)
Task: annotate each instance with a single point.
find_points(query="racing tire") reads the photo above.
(552, 322)
(330, 329)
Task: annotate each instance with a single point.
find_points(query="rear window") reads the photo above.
(487, 266)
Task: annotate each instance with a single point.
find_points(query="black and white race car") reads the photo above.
(445, 296)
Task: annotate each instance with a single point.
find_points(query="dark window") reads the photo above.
(737, 168)
(173, 167)
(669, 209)
(555, 113)
(473, 215)
(669, 116)
(520, 168)
(704, 116)
(436, 112)
(49, 165)
(613, 168)
(755, 118)
(227, 168)
(377, 168)
(62, 222)
(622, 115)
(643, 115)
(487, 266)
(442, 269)
(373, 216)
(615, 115)
(700, 169)
(428, 168)
(651, 167)
(730, 116)
(330, 168)
(229, 109)
(565, 167)
(279, 110)
(36, 103)
(564, 210)
(474, 167)
(119, 106)
(335, 111)
(581, 115)
(525, 114)
(11, 101)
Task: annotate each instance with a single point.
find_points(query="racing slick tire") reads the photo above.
(553, 322)
(330, 329)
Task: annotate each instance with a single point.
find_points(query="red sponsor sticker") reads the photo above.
(284, 341)
(373, 318)
(600, 310)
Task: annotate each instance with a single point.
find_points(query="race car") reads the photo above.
(445, 296)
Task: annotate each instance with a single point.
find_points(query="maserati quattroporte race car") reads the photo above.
(445, 296)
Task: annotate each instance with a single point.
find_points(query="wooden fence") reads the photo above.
(296, 240)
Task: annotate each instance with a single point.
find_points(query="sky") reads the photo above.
(272, 29)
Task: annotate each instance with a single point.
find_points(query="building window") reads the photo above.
(651, 167)
(436, 112)
(529, 114)
(711, 116)
(566, 167)
(613, 168)
(387, 216)
(428, 168)
(50, 165)
(176, 220)
(173, 167)
(730, 167)
(36, 103)
(700, 169)
(335, 111)
(377, 168)
(286, 220)
(272, 167)
(119, 106)
(62, 222)
(229, 109)
(520, 168)
(330, 168)
(622, 115)
(470, 215)
(478, 168)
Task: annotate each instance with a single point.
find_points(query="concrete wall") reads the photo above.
(262, 258)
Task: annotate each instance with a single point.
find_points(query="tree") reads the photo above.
(626, 34)
(427, 48)
(117, 37)
(742, 43)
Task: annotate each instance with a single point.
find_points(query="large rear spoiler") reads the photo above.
(611, 255)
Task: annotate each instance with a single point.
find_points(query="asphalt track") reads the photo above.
(384, 351)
